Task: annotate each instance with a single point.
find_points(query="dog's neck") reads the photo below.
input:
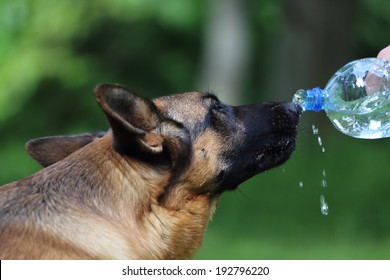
(126, 193)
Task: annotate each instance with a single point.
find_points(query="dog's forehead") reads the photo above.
(184, 106)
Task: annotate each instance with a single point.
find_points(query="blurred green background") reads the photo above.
(53, 53)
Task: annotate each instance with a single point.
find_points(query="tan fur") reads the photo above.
(123, 223)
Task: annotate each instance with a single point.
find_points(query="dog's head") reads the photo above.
(228, 144)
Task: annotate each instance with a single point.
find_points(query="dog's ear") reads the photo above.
(137, 125)
(49, 150)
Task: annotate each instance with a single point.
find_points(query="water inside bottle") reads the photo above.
(368, 126)
(366, 117)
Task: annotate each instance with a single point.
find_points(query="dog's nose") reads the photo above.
(294, 109)
(288, 108)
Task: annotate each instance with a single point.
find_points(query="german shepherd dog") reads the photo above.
(147, 188)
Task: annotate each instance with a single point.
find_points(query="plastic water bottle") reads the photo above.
(356, 99)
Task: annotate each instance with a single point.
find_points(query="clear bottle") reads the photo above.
(356, 99)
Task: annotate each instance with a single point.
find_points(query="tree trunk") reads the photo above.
(226, 50)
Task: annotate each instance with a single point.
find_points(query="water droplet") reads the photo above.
(300, 184)
(319, 140)
(323, 203)
(324, 206)
(315, 129)
(259, 157)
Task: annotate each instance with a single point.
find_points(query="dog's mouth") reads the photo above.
(260, 160)
(272, 155)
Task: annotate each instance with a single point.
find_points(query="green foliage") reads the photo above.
(374, 22)
(53, 53)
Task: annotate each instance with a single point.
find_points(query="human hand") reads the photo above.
(385, 53)
(373, 79)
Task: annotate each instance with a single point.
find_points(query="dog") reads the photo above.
(146, 188)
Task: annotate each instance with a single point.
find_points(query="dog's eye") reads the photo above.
(219, 113)
(218, 107)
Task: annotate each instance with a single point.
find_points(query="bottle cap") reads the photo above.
(314, 99)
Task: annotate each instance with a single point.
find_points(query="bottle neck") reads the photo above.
(314, 99)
